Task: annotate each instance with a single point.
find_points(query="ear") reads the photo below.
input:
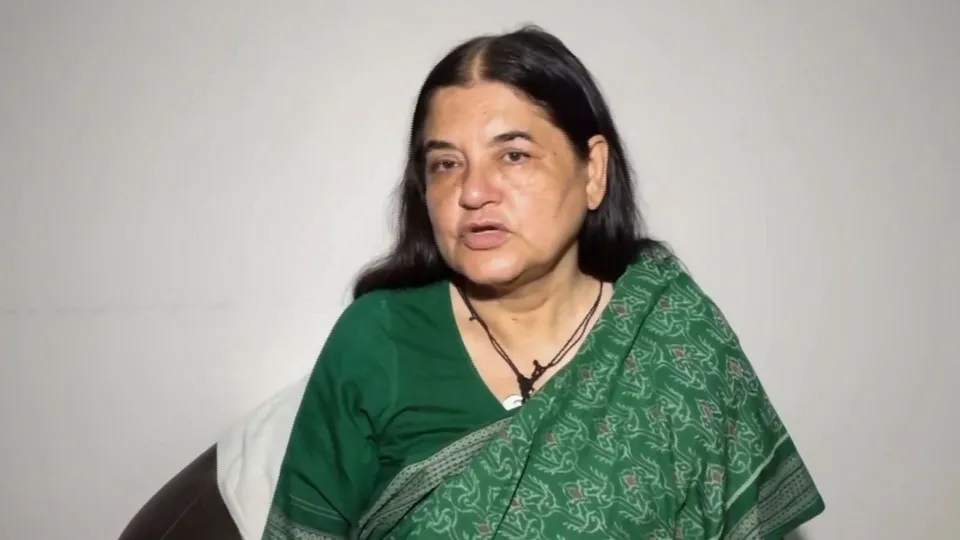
(598, 152)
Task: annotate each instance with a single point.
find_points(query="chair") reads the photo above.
(188, 507)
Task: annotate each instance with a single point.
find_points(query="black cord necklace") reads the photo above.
(523, 382)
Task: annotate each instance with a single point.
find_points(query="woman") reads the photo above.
(525, 363)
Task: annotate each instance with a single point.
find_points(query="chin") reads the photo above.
(490, 270)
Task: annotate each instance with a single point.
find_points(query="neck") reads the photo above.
(543, 310)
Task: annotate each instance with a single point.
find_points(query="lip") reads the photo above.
(484, 234)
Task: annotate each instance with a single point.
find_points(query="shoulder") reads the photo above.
(697, 346)
(691, 313)
(670, 307)
(364, 315)
(359, 344)
(380, 315)
(673, 307)
(361, 352)
(703, 363)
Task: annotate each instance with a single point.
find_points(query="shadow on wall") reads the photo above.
(797, 536)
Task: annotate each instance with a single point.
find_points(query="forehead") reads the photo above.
(482, 110)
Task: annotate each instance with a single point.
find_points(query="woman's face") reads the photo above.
(505, 190)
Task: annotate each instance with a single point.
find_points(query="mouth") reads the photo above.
(484, 235)
(483, 228)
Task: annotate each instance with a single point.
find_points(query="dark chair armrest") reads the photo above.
(188, 507)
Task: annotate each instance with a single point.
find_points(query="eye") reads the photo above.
(515, 157)
(441, 165)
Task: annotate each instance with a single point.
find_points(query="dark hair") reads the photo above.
(540, 66)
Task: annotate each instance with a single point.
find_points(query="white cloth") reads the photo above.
(249, 457)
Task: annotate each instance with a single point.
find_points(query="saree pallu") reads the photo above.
(657, 429)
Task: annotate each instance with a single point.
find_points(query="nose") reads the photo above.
(479, 188)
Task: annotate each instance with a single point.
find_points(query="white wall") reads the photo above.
(186, 189)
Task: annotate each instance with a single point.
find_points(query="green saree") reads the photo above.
(657, 429)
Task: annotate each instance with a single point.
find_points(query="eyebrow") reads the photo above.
(435, 144)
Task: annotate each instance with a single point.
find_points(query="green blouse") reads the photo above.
(392, 386)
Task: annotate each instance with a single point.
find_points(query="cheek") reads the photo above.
(442, 209)
(538, 224)
(550, 216)
(550, 201)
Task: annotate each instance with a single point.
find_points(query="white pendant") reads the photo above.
(512, 402)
